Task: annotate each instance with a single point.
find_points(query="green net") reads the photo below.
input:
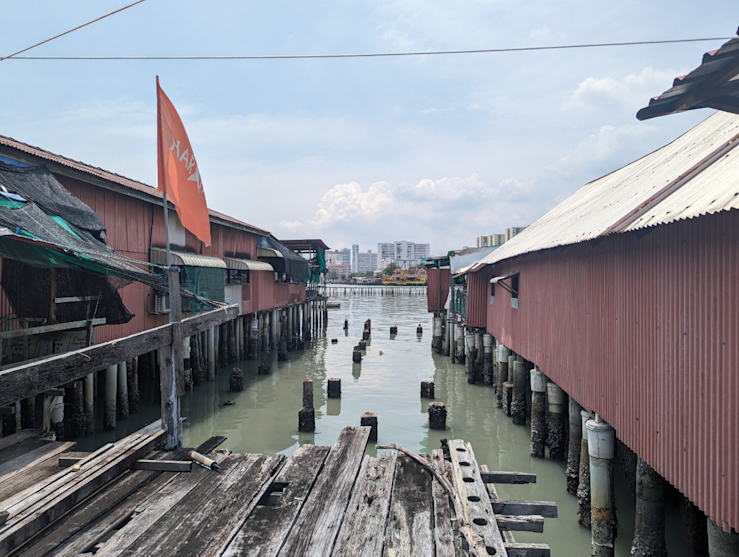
(207, 282)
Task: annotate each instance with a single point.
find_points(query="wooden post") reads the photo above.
(90, 403)
(111, 388)
(122, 400)
(211, 354)
(172, 380)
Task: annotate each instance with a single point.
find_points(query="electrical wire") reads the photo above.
(70, 31)
(371, 54)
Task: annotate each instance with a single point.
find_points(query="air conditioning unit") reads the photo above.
(161, 303)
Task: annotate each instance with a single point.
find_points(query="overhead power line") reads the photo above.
(70, 31)
(369, 55)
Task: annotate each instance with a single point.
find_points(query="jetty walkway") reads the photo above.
(129, 498)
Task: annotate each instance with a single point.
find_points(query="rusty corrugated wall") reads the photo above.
(431, 281)
(645, 332)
(478, 288)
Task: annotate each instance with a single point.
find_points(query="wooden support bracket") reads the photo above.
(545, 509)
(531, 523)
(494, 477)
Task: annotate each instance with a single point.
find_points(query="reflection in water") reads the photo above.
(264, 418)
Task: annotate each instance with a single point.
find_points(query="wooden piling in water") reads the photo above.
(539, 414)
(370, 419)
(437, 415)
(307, 415)
(427, 389)
(334, 388)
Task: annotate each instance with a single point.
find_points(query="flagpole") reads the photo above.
(166, 232)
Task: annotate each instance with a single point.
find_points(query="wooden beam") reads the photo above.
(543, 508)
(527, 550)
(495, 477)
(163, 465)
(31, 378)
(532, 523)
(51, 328)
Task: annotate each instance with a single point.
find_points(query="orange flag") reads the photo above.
(179, 175)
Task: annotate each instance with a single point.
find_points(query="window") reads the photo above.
(492, 294)
(161, 302)
(514, 292)
(237, 276)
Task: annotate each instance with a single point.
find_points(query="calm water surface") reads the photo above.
(264, 417)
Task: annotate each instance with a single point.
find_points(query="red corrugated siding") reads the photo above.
(646, 334)
(264, 293)
(432, 288)
(478, 287)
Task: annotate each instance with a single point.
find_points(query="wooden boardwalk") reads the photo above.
(320, 501)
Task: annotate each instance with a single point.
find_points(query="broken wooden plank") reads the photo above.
(474, 496)
(206, 519)
(546, 509)
(410, 524)
(511, 523)
(493, 495)
(363, 529)
(498, 477)
(527, 550)
(265, 530)
(443, 534)
(71, 458)
(317, 526)
(163, 465)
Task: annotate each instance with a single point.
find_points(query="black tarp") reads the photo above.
(295, 267)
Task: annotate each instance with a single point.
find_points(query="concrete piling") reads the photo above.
(539, 414)
(437, 335)
(427, 389)
(602, 449)
(518, 399)
(583, 487)
(649, 530)
(459, 343)
(78, 419)
(370, 419)
(264, 367)
(487, 358)
(357, 355)
(507, 398)
(211, 354)
(365, 335)
(122, 394)
(362, 345)
(573, 452)
(469, 339)
(437, 415)
(720, 543)
(693, 527)
(90, 404)
(253, 346)
(111, 391)
(556, 437)
(307, 415)
(56, 419)
(236, 380)
(393, 330)
(453, 342)
(334, 388)
(503, 355)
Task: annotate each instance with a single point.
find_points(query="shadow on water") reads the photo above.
(265, 415)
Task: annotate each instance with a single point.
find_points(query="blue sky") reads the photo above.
(436, 149)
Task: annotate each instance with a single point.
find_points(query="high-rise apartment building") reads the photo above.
(355, 253)
(346, 256)
(366, 262)
(334, 256)
(409, 252)
(498, 239)
(513, 231)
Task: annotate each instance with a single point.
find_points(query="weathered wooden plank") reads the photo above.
(530, 523)
(19, 449)
(211, 444)
(315, 530)
(163, 465)
(205, 520)
(363, 529)
(527, 550)
(493, 495)
(410, 522)
(498, 477)
(151, 509)
(35, 377)
(39, 515)
(546, 509)
(36, 474)
(265, 530)
(443, 534)
(19, 465)
(43, 329)
(15, 438)
(103, 513)
(474, 496)
(72, 457)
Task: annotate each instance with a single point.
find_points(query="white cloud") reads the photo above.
(347, 202)
(603, 93)
(292, 226)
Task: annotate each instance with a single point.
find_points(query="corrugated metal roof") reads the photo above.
(183, 258)
(696, 174)
(247, 264)
(140, 187)
(714, 84)
(268, 252)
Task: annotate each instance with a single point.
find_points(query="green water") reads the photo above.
(264, 416)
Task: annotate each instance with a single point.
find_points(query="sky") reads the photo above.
(431, 149)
